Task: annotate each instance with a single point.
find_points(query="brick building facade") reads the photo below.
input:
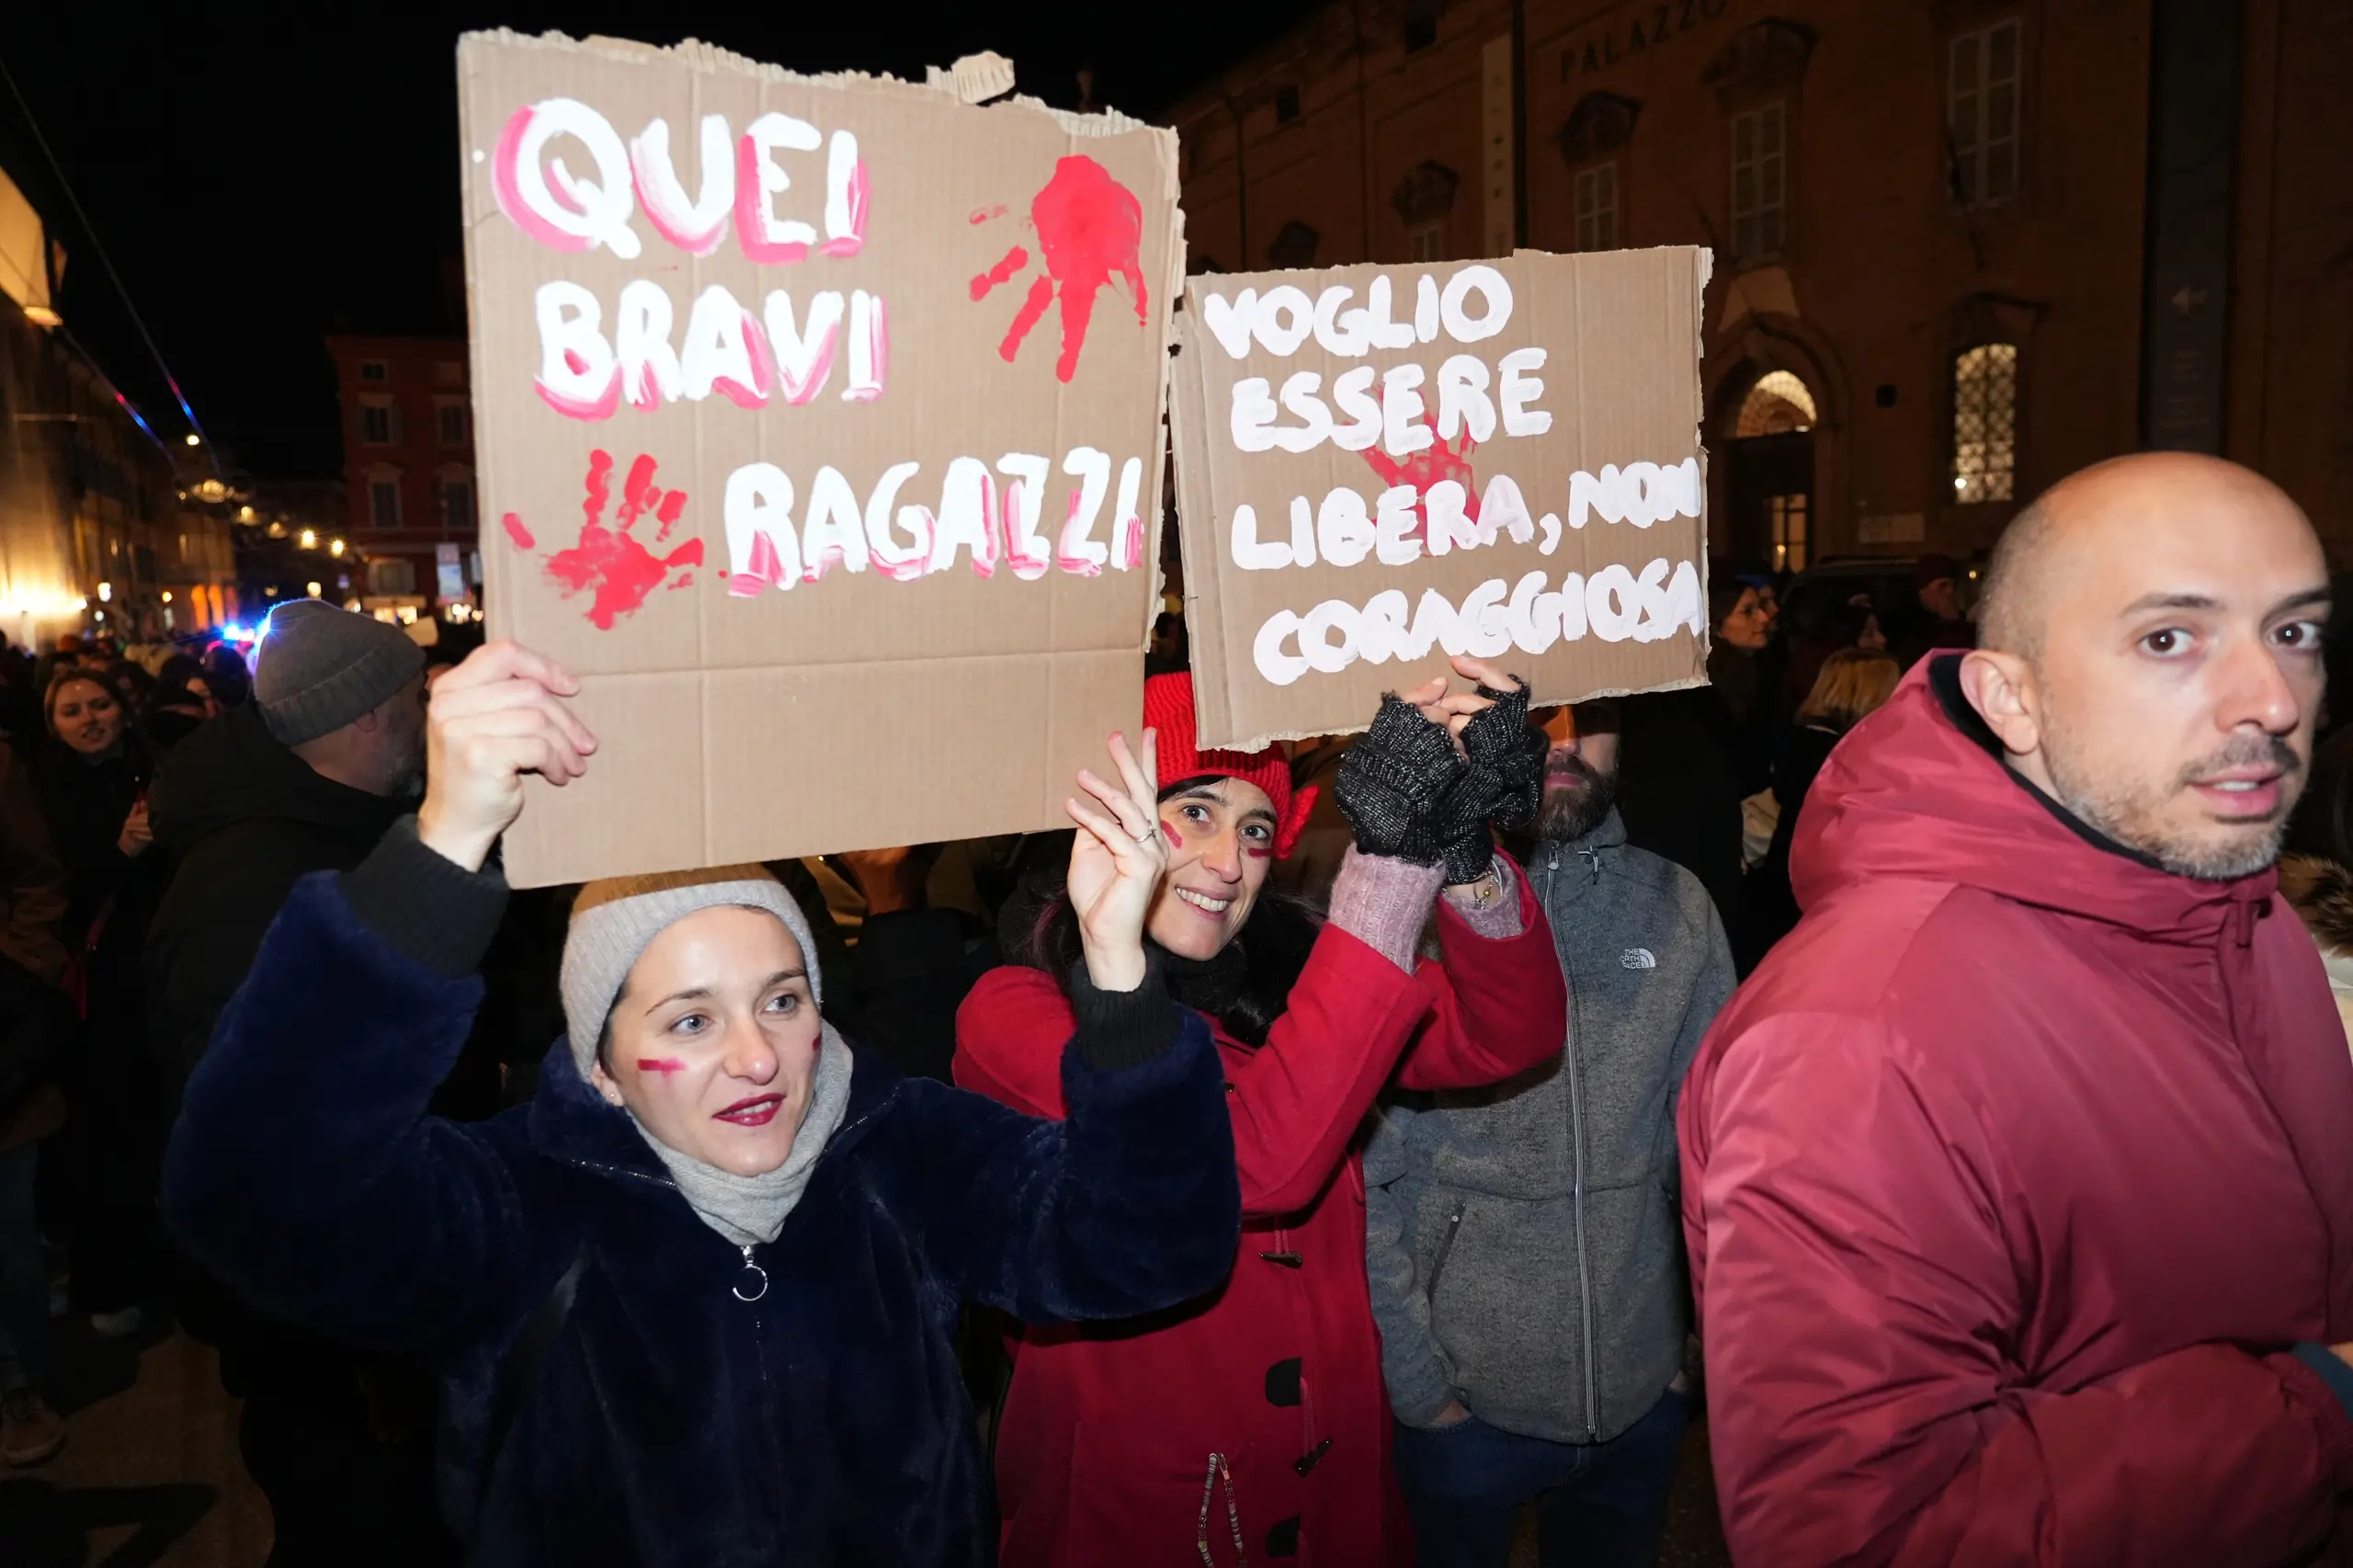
(1962, 246)
(408, 444)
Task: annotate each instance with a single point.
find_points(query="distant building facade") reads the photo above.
(99, 531)
(1962, 248)
(408, 443)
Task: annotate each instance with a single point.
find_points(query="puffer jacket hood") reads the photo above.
(1919, 792)
(231, 771)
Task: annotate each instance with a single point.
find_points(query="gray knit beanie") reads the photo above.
(616, 919)
(318, 668)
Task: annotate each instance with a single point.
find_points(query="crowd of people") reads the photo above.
(85, 723)
(1342, 1151)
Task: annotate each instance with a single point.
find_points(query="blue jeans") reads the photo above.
(1598, 1504)
(24, 1273)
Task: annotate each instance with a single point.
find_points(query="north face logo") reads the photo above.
(1638, 958)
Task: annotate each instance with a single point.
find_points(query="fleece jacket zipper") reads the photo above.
(1576, 1129)
(1453, 1224)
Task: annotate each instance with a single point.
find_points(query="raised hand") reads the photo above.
(1487, 681)
(1503, 781)
(136, 837)
(1116, 863)
(493, 719)
(1395, 777)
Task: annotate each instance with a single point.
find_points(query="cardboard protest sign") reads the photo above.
(1377, 466)
(820, 418)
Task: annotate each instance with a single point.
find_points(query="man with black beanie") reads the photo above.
(304, 777)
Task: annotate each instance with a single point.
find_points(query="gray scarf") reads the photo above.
(752, 1210)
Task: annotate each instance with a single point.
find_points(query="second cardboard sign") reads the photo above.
(1379, 466)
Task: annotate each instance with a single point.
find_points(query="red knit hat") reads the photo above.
(1169, 709)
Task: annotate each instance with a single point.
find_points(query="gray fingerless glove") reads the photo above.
(1393, 781)
(1500, 786)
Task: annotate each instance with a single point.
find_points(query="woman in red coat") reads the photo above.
(1252, 1424)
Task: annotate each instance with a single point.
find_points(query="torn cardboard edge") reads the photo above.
(976, 78)
(1706, 270)
(951, 82)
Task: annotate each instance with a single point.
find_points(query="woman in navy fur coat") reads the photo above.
(764, 1235)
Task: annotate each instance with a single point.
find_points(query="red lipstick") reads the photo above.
(757, 1111)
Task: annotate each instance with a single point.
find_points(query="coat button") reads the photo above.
(1309, 1459)
(1283, 1539)
(1287, 1259)
(1283, 1382)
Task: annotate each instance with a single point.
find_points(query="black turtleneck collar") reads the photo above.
(1210, 985)
(1944, 679)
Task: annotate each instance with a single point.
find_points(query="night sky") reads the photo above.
(264, 175)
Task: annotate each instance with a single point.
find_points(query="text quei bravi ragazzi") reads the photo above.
(782, 355)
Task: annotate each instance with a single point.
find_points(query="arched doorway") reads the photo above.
(1774, 518)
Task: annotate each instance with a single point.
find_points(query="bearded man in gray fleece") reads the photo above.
(1522, 1241)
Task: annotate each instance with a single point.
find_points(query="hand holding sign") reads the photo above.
(1115, 864)
(1502, 784)
(492, 719)
(1456, 711)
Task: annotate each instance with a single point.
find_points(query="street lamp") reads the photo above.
(334, 548)
(192, 439)
(310, 538)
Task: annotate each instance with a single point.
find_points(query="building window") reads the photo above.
(1597, 196)
(453, 423)
(1788, 514)
(376, 370)
(1985, 423)
(391, 577)
(1760, 183)
(1982, 115)
(1294, 245)
(384, 503)
(1778, 405)
(1430, 243)
(449, 373)
(1286, 104)
(458, 503)
(380, 422)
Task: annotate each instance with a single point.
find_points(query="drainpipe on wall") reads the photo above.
(1519, 122)
(2193, 154)
(1364, 139)
(1241, 184)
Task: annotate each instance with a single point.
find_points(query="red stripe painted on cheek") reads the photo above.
(1259, 854)
(666, 1065)
(1176, 839)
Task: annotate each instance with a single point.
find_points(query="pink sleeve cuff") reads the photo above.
(1499, 916)
(1385, 902)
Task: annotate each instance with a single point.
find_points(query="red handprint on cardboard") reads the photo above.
(614, 561)
(1089, 226)
(1440, 459)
